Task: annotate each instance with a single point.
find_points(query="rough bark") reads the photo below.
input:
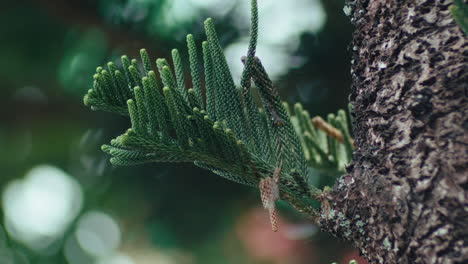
(404, 198)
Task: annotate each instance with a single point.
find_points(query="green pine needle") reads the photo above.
(179, 71)
(193, 57)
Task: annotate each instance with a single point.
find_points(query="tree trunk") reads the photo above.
(404, 198)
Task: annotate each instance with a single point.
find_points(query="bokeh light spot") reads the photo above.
(281, 26)
(39, 208)
(98, 234)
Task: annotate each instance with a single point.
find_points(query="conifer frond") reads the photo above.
(224, 131)
(167, 125)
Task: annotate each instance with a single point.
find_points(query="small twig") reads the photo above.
(330, 130)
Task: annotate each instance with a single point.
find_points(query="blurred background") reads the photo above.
(62, 201)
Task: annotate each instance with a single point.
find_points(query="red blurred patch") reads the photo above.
(256, 235)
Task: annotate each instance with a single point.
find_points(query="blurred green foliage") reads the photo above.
(85, 50)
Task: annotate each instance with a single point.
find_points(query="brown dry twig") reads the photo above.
(330, 130)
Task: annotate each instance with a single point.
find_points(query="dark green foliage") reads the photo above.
(459, 11)
(225, 131)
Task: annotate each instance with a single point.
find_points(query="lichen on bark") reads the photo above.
(404, 198)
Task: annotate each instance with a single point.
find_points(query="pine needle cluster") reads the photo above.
(213, 123)
(328, 144)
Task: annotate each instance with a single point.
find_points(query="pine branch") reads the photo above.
(226, 131)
